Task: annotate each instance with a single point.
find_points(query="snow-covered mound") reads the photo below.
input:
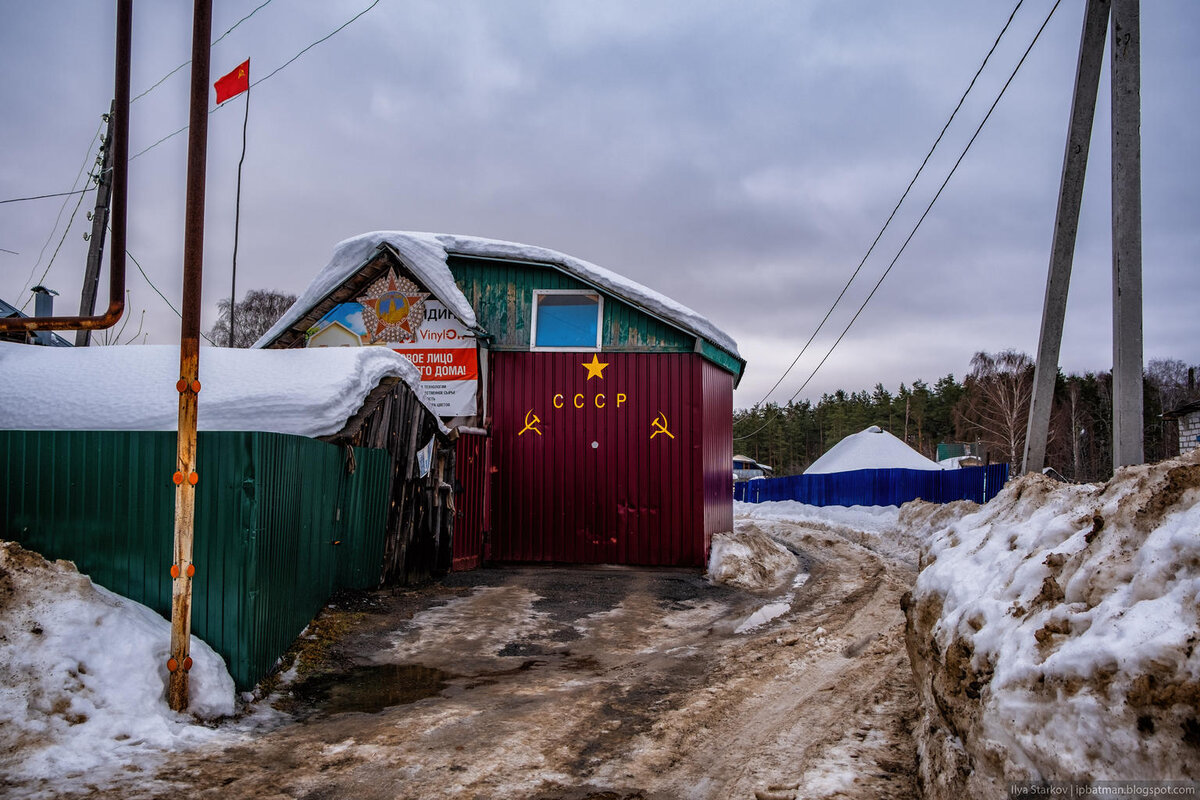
(873, 448)
(306, 392)
(749, 559)
(1054, 635)
(83, 679)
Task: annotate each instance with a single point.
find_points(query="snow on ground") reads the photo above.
(83, 680)
(1054, 634)
(306, 392)
(749, 559)
(873, 448)
(880, 529)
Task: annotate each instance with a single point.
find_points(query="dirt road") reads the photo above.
(591, 683)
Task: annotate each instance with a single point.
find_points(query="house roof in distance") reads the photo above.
(873, 448)
(309, 392)
(426, 255)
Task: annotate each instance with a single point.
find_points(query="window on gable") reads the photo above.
(566, 319)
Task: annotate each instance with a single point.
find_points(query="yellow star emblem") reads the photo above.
(595, 368)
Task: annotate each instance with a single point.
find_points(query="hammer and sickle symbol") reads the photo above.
(660, 426)
(531, 423)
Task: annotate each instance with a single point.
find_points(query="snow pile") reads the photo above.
(876, 528)
(873, 448)
(1054, 635)
(426, 253)
(749, 559)
(306, 392)
(83, 679)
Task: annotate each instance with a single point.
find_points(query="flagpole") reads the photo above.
(237, 214)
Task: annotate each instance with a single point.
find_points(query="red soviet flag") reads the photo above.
(234, 83)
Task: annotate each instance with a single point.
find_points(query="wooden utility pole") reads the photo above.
(91, 274)
(186, 477)
(1127, 237)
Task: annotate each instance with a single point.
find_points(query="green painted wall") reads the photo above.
(502, 295)
(268, 509)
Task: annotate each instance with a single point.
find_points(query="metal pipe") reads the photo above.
(120, 184)
(186, 476)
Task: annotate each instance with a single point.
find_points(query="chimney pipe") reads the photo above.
(43, 306)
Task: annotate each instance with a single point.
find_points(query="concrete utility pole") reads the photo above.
(1126, 202)
(1127, 234)
(91, 274)
(186, 477)
(1066, 225)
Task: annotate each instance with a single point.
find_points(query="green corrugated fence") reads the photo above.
(281, 523)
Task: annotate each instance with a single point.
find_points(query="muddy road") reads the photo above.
(589, 683)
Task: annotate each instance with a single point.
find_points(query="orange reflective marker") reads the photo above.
(193, 479)
(191, 570)
(172, 665)
(187, 663)
(178, 478)
(174, 570)
(196, 387)
(181, 385)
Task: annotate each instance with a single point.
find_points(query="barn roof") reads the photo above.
(426, 255)
(305, 392)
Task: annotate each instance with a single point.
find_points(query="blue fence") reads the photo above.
(879, 487)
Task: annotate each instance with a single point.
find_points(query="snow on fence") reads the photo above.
(879, 487)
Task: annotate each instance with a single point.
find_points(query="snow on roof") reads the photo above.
(309, 392)
(426, 253)
(873, 448)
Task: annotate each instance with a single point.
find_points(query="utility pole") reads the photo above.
(186, 477)
(1127, 246)
(1127, 234)
(91, 274)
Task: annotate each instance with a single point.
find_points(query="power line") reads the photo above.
(928, 208)
(45, 196)
(189, 61)
(160, 294)
(892, 215)
(265, 77)
(54, 255)
(158, 83)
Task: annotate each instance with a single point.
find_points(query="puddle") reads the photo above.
(370, 689)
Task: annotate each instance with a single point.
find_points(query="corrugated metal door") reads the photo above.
(470, 498)
(598, 458)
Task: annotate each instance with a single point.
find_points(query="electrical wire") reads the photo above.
(189, 61)
(44, 196)
(896, 208)
(928, 208)
(265, 77)
(160, 294)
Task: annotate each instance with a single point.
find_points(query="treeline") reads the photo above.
(990, 407)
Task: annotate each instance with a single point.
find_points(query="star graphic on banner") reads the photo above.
(393, 308)
(595, 368)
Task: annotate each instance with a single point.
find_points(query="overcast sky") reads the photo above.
(739, 157)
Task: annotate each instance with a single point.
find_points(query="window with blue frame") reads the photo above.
(566, 319)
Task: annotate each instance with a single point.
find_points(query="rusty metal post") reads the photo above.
(119, 126)
(186, 476)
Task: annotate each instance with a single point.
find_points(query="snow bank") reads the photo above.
(873, 448)
(1054, 631)
(749, 559)
(306, 392)
(876, 528)
(426, 254)
(83, 679)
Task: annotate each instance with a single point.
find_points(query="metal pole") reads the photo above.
(186, 477)
(1127, 234)
(237, 217)
(1066, 225)
(120, 199)
(91, 274)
